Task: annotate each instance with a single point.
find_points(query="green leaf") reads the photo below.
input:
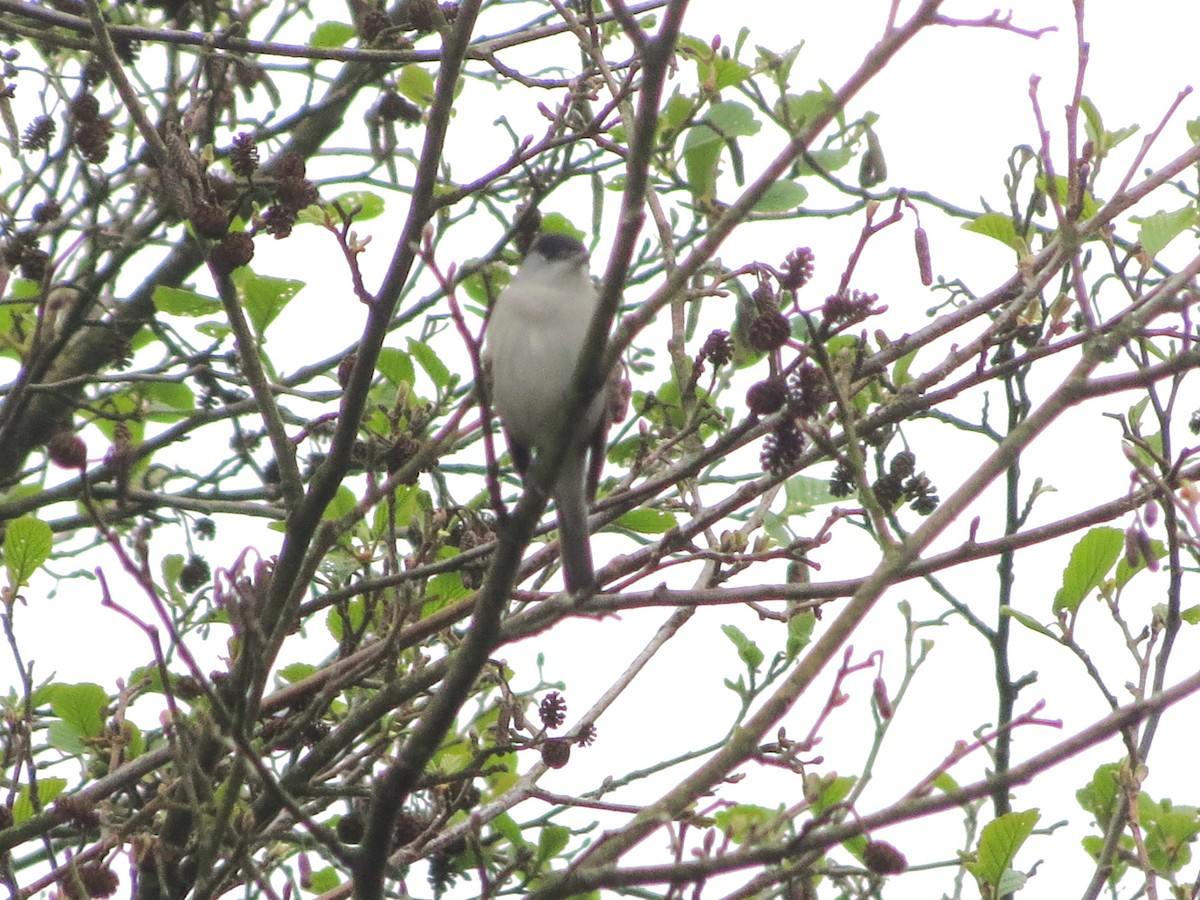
(430, 363)
(218, 331)
(647, 521)
(1125, 571)
(745, 823)
(396, 366)
(48, 789)
(1028, 621)
(1160, 229)
(557, 223)
(900, 376)
(342, 504)
(707, 138)
(82, 706)
(485, 283)
(1091, 560)
(729, 72)
(328, 35)
(416, 84)
(352, 615)
(65, 738)
(803, 492)
(27, 544)
(782, 196)
(1191, 615)
(323, 880)
(175, 301)
(799, 109)
(552, 840)
(168, 401)
(296, 672)
(172, 567)
(364, 205)
(1193, 130)
(263, 297)
(799, 633)
(749, 651)
(833, 792)
(997, 226)
(675, 113)
(998, 846)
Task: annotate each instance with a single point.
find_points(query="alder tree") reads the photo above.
(247, 456)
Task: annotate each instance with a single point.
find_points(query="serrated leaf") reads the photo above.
(27, 544)
(328, 35)
(174, 301)
(998, 845)
(748, 651)
(782, 196)
(729, 72)
(430, 363)
(396, 366)
(1091, 560)
(263, 297)
(996, 226)
(1158, 230)
(647, 521)
(82, 706)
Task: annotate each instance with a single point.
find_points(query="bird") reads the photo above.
(535, 334)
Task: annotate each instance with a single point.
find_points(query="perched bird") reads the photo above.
(534, 337)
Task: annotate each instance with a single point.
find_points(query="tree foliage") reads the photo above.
(326, 560)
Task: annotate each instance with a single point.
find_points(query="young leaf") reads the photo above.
(1091, 559)
(998, 226)
(264, 297)
(430, 363)
(749, 651)
(181, 302)
(27, 544)
(1160, 229)
(998, 846)
(647, 521)
(82, 706)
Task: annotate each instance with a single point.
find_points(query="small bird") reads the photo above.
(536, 332)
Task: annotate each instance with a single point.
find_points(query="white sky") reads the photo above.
(952, 106)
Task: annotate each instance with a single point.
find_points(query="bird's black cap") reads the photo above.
(555, 245)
